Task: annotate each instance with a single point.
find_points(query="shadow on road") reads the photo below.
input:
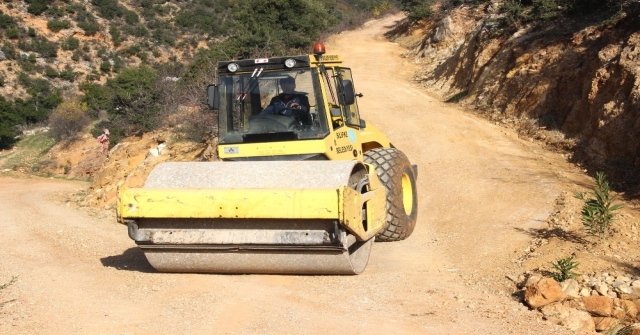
(131, 260)
(555, 232)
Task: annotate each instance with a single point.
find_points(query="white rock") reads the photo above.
(623, 279)
(161, 146)
(585, 292)
(153, 152)
(571, 288)
(624, 289)
(618, 283)
(601, 288)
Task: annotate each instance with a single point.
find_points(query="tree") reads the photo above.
(135, 98)
(68, 119)
(278, 25)
(96, 97)
(9, 119)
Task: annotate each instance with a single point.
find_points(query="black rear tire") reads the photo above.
(398, 177)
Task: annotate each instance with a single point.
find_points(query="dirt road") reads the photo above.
(479, 188)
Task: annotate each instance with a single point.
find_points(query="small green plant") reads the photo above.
(598, 210)
(67, 167)
(11, 282)
(564, 269)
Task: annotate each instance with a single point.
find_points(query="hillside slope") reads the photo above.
(574, 83)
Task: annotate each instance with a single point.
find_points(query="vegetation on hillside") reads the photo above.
(517, 13)
(121, 60)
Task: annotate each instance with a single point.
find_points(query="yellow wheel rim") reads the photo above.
(407, 194)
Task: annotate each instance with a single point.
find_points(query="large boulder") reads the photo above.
(605, 323)
(598, 305)
(542, 293)
(571, 318)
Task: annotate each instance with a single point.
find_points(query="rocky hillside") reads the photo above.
(574, 83)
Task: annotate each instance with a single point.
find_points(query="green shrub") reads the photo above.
(9, 119)
(9, 50)
(40, 45)
(69, 118)
(87, 22)
(57, 25)
(417, 9)
(105, 67)
(43, 99)
(513, 14)
(131, 17)
(90, 28)
(6, 21)
(93, 76)
(132, 50)
(116, 37)
(164, 36)
(136, 98)
(198, 125)
(12, 33)
(37, 7)
(55, 11)
(546, 10)
(70, 43)
(598, 210)
(68, 75)
(96, 97)
(137, 30)
(564, 269)
(277, 26)
(28, 64)
(108, 9)
(50, 72)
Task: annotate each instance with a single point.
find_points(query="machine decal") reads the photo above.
(352, 135)
(231, 150)
(343, 149)
(342, 134)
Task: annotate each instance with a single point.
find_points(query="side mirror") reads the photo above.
(213, 97)
(349, 93)
(363, 124)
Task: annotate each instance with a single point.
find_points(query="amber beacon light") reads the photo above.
(319, 49)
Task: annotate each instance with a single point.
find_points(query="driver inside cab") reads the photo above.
(289, 102)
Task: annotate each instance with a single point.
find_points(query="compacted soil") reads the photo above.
(481, 190)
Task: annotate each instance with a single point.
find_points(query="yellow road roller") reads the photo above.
(303, 185)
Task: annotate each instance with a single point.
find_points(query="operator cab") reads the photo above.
(244, 96)
(246, 87)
